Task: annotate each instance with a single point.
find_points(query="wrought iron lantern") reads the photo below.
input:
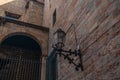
(59, 43)
(59, 38)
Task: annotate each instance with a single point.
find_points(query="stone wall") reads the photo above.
(97, 25)
(33, 14)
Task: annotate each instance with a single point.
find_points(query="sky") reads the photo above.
(2, 2)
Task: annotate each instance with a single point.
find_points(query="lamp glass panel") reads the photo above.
(59, 38)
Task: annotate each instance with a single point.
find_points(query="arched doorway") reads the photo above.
(20, 58)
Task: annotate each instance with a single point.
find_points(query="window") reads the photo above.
(54, 17)
(12, 15)
(27, 5)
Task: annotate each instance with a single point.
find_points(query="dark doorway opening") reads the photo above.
(25, 46)
(20, 58)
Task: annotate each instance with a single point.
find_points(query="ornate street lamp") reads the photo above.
(59, 38)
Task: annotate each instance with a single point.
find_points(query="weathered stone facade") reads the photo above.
(30, 11)
(97, 25)
(34, 17)
(30, 14)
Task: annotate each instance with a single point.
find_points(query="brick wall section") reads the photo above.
(97, 24)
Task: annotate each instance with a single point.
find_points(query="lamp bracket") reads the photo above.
(67, 53)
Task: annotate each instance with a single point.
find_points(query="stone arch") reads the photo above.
(25, 61)
(21, 33)
(25, 35)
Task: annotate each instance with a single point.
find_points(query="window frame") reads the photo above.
(12, 15)
(54, 17)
